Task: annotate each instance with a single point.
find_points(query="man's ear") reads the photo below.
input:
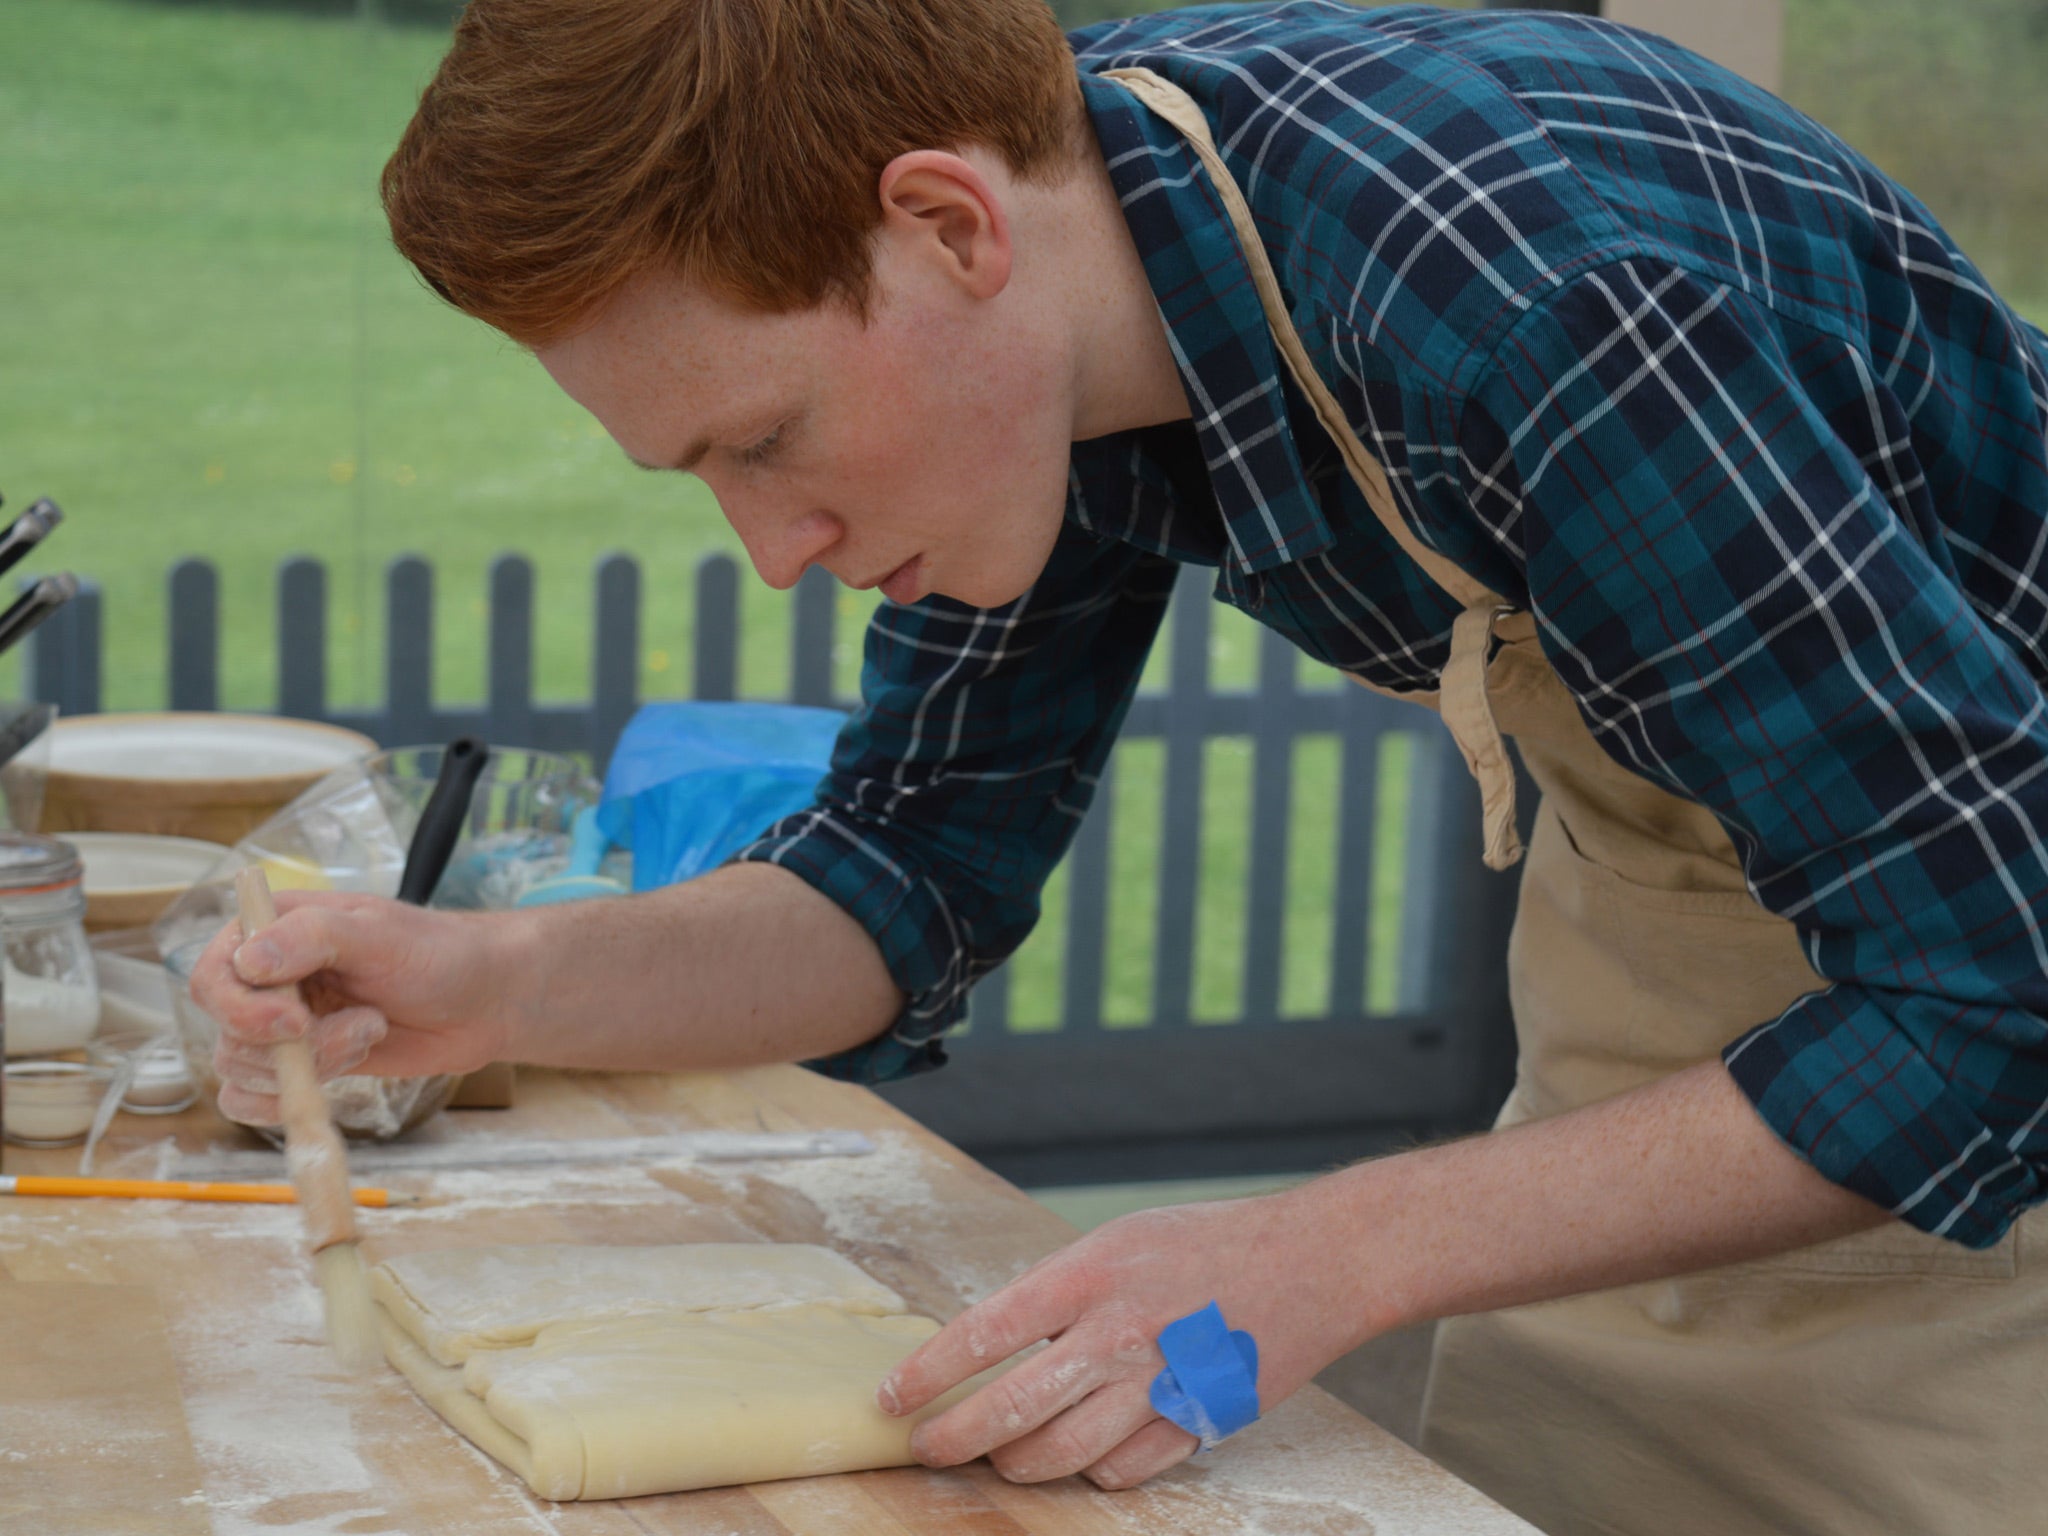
(939, 206)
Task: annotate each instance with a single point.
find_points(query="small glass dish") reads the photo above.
(159, 1083)
(138, 1024)
(51, 1100)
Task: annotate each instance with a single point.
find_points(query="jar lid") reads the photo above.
(32, 863)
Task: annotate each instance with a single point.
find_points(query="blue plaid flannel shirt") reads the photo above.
(1641, 348)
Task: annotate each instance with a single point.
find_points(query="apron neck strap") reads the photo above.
(1173, 104)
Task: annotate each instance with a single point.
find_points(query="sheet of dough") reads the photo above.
(454, 1301)
(655, 1369)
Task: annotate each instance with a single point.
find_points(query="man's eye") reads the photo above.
(761, 450)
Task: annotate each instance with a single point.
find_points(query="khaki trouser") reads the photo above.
(1887, 1382)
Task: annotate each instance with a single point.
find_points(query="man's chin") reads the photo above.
(982, 594)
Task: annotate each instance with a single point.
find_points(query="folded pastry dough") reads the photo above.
(454, 1301)
(599, 1373)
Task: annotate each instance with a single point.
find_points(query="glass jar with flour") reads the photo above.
(50, 988)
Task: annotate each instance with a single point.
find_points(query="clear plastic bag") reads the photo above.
(350, 832)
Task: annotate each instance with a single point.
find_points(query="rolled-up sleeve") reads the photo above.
(1743, 540)
(959, 783)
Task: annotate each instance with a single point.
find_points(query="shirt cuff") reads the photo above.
(892, 896)
(1843, 1080)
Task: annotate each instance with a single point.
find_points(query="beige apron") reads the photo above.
(1886, 1382)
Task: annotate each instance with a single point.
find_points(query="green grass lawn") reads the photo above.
(213, 349)
(210, 348)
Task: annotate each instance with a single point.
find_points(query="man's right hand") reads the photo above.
(744, 965)
(382, 988)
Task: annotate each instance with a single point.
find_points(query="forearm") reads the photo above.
(1675, 1177)
(746, 965)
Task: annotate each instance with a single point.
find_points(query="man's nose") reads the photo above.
(784, 545)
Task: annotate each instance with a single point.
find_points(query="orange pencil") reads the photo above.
(179, 1189)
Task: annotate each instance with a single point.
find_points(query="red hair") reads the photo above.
(564, 146)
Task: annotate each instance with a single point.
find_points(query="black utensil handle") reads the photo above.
(440, 828)
(34, 606)
(27, 531)
(21, 724)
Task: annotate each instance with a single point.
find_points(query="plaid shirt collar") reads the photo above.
(1233, 375)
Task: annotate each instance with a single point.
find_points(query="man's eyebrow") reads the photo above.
(685, 464)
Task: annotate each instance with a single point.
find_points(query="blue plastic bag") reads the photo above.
(692, 784)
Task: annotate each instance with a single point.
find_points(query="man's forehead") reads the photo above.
(642, 359)
(648, 329)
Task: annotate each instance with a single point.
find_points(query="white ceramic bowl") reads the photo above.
(130, 877)
(210, 776)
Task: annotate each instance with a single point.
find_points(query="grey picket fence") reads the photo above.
(1079, 1101)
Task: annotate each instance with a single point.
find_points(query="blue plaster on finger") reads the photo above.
(1210, 1384)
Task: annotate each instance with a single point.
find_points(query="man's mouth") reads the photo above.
(901, 585)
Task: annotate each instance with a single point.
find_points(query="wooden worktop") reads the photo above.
(283, 1440)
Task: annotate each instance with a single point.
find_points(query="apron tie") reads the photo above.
(1468, 713)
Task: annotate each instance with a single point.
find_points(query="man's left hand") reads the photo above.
(1083, 1403)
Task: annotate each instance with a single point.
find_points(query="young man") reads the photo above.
(1521, 364)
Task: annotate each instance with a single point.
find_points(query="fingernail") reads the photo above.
(258, 960)
(885, 1396)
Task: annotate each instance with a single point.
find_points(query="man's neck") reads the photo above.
(1124, 372)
